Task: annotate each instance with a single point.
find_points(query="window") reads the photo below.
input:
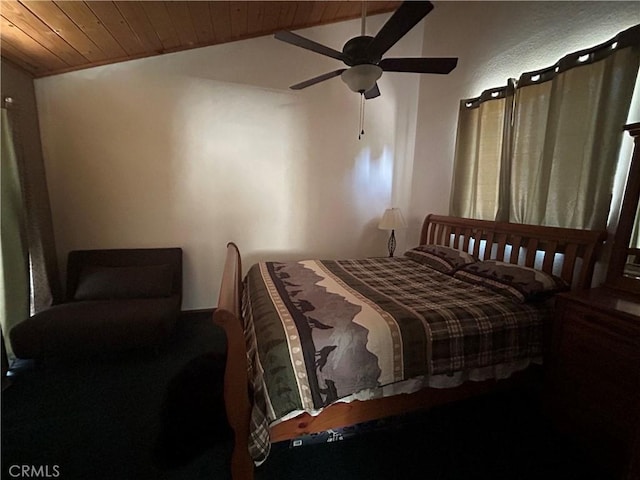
(544, 151)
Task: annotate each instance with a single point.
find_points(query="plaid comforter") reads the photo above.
(318, 331)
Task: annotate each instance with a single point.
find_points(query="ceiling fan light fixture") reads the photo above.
(361, 78)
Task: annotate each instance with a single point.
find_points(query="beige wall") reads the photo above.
(198, 148)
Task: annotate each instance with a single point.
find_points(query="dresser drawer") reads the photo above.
(596, 375)
(600, 351)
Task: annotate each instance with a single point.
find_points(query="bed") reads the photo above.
(319, 344)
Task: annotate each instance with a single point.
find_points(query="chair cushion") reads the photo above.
(95, 326)
(106, 283)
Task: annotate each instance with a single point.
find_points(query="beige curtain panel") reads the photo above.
(559, 141)
(14, 259)
(38, 224)
(479, 154)
(567, 137)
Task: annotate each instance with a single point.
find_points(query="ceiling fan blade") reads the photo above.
(298, 41)
(419, 65)
(318, 79)
(403, 20)
(372, 93)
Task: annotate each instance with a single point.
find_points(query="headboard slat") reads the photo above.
(550, 250)
(515, 249)
(488, 248)
(532, 249)
(432, 233)
(569, 262)
(456, 238)
(446, 235)
(467, 239)
(477, 239)
(502, 244)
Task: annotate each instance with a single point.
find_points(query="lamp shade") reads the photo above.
(392, 219)
(361, 78)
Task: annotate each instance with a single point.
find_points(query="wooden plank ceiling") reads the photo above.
(51, 37)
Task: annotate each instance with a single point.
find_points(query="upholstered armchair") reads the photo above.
(115, 300)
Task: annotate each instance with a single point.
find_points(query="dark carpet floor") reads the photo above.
(101, 419)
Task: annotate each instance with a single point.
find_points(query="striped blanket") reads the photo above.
(320, 331)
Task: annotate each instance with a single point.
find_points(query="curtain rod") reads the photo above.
(627, 38)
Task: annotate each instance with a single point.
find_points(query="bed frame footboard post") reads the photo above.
(236, 397)
(236, 380)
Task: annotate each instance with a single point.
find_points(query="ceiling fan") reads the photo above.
(363, 54)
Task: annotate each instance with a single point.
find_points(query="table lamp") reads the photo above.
(392, 219)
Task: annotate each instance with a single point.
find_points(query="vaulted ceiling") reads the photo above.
(50, 37)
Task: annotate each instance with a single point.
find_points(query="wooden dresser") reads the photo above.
(594, 373)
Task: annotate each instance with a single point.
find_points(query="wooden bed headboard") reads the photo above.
(568, 253)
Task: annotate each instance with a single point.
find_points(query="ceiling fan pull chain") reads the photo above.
(361, 116)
